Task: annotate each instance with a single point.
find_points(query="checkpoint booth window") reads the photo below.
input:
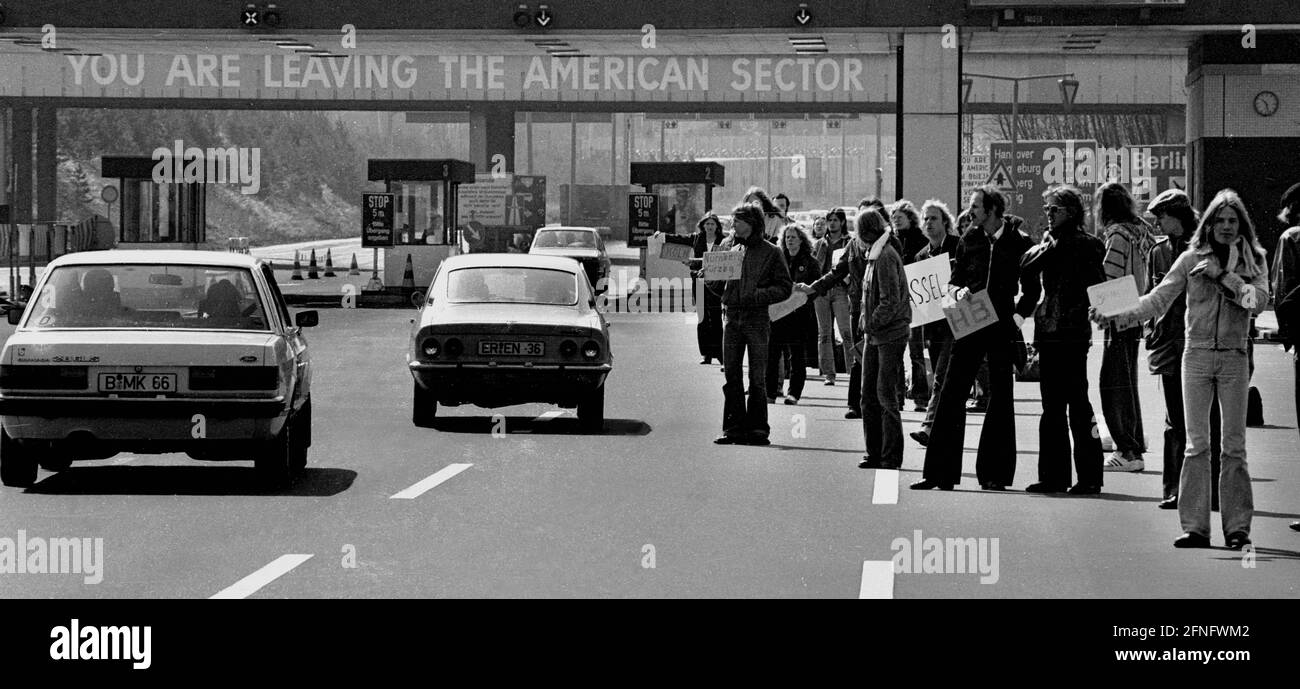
(686, 194)
(425, 224)
(686, 190)
(425, 193)
(151, 212)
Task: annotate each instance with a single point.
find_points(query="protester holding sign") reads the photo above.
(1225, 275)
(746, 327)
(907, 227)
(832, 307)
(851, 266)
(1063, 266)
(1286, 286)
(941, 241)
(790, 333)
(708, 236)
(1128, 240)
(886, 323)
(988, 265)
(1177, 220)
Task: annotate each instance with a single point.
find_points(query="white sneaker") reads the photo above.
(1117, 462)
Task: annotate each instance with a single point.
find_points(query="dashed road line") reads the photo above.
(250, 584)
(431, 482)
(885, 491)
(877, 580)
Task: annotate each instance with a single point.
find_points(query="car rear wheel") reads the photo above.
(591, 410)
(17, 463)
(301, 438)
(275, 460)
(424, 407)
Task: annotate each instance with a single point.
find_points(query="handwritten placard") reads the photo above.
(676, 252)
(780, 310)
(1114, 296)
(927, 285)
(972, 314)
(723, 265)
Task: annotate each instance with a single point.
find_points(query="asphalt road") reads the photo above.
(648, 508)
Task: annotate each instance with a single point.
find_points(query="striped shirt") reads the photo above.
(1127, 246)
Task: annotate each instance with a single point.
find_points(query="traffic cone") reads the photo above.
(354, 270)
(329, 264)
(312, 272)
(408, 277)
(297, 267)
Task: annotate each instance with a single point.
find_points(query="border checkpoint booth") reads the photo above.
(426, 230)
(156, 215)
(691, 187)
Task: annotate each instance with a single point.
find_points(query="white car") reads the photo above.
(505, 329)
(153, 352)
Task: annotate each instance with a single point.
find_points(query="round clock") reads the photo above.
(1266, 103)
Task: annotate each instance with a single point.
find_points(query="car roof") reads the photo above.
(567, 228)
(162, 257)
(492, 260)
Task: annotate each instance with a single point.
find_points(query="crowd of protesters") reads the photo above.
(1202, 278)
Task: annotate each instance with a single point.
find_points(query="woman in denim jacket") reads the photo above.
(1225, 274)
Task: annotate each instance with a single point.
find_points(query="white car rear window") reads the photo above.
(512, 286)
(148, 296)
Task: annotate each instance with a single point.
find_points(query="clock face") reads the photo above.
(1266, 103)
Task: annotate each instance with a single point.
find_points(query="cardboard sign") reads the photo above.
(927, 285)
(723, 265)
(676, 252)
(972, 314)
(1114, 296)
(780, 310)
(836, 255)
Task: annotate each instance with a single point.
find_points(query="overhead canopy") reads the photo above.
(416, 170)
(678, 173)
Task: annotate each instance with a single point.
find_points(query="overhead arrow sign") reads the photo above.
(543, 18)
(803, 17)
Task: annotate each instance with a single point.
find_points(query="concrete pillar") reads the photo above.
(931, 124)
(492, 133)
(22, 157)
(47, 171)
(1234, 140)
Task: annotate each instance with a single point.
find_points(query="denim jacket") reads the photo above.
(1218, 316)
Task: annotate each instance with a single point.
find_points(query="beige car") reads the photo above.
(154, 352)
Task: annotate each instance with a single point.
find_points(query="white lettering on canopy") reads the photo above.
(454, 76)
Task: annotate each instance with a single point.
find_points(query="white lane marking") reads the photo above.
(549, 415)
(431, 482)
(877, 580)
(886, 489)
(250, 584)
